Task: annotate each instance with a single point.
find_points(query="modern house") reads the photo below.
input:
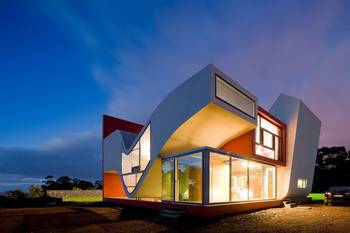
(208, 148)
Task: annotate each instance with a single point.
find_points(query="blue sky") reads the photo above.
(65, 63)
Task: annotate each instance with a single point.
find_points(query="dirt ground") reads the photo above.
(309, 218)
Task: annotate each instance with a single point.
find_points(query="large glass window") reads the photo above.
(267, 139)
(261, 181)
(234, 97)
(219, 178)
(231, 179)
(255, 181)
(269, 173)
(239, 179)
(168, 179)
(189, 178)
(136, 161)
(145, 146)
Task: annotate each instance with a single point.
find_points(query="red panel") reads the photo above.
(112, 185)
(110, 124)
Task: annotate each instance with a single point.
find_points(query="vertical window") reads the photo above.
(267, 139)
(302, 183)
(145, 146)
(126, 163)
(255, 181)
(136, 161)
(269, 182)
(239, 179)
(219, 178)
(168, 179)
(189, 178)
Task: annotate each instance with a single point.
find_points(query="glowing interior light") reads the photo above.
(243, 194)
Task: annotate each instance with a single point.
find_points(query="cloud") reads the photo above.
(76, 155)
(298, 48)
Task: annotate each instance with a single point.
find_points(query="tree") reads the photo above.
(98, 184)
(83, 184)
(15, 194)
(35, 191)
(332, 168)
(64, 183)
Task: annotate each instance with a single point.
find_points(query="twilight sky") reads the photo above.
(65, 63)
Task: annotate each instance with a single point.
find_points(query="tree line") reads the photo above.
(332, 168)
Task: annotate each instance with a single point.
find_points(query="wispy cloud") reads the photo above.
(270, 48)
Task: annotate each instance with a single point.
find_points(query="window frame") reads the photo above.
(277, 151)
(219, 78)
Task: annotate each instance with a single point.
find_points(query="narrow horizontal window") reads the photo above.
(232, 96)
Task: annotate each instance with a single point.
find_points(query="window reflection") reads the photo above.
(168, 180)
(189, 178)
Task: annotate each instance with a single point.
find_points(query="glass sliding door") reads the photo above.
(255, 181)
(188, 182)
(269, 181)
(168, 180)
(219, 178)
(239, 179)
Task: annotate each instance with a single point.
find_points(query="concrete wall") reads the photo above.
(74, 193)
(303, 132)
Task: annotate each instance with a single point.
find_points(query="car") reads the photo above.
(337, 195)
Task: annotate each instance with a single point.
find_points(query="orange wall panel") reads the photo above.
(242, 145)
(112, 186)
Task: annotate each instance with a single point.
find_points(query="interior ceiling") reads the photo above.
(211, 126)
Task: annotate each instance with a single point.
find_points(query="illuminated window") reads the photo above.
(239, 179)
(126, 163)
(135, 157)
(168, 179)
(219, 178)
(267, 139)
(255, 181)
(269, 182)
(136, 160)
(145, 146)
(232, 96)
(189, 178)
(302, 183)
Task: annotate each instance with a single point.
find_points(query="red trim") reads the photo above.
(283, 127)
(110, 124)
(270, 117)
(204, 211)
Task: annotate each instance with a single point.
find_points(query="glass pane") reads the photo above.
(277, 147)
(130, 180)
(267, 139)
(234, 97)
(126, 163)
(257, 131)
(138, 177)
(269, 181)
(189, 178)
(239, 179)
(255, 181)
(168, 180)
(219, 178)
(263, 151)
(145, 144)
(135, 157)
(269, 126)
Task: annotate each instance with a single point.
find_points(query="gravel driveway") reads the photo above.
(310, 218)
